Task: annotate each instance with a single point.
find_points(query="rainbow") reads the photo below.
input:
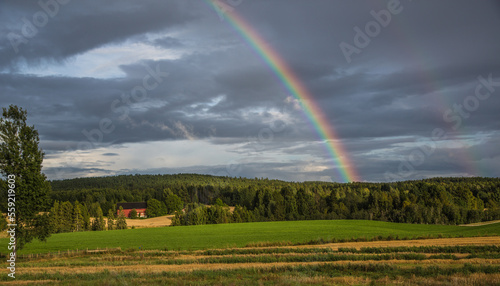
(467, 159)
(294, 86)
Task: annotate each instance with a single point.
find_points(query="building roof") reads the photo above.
(129, 206)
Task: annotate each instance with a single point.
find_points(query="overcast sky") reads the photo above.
(412, 88)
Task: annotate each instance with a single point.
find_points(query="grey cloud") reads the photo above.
(423, 64)
(79, 26)
(72, 172)
(168, 42)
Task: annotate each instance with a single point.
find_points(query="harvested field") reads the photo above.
(474, 261)
(160, 221)
(493, 240)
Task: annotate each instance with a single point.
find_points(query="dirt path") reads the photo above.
(481, 223)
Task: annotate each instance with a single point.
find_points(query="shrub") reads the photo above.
(132, 214)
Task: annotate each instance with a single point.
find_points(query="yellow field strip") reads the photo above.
(459, 241)
(227, 266)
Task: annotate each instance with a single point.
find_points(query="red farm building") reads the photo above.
(140, 207)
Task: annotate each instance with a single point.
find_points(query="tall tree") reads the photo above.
(132, 214)
(77, 217)
(54, 217)
(290, 203)
(121, 222)
(21, 158)
(174, 203)
(86, 217)
(111, 219)
(98, 223)
(66, 216)
(155, 208)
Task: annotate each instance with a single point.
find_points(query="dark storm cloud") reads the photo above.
(78, 26)
(423, 64)
(77, 105)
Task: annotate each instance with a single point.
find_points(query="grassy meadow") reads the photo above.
(244, 234)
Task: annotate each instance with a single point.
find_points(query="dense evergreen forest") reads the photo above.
(429, 201)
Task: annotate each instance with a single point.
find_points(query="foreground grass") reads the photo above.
(240, 235)
(456, 264)
(315, 274)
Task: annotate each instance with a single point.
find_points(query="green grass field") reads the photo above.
(239, 235)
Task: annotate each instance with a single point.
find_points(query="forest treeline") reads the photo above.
(429, 201)
(204, 199)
